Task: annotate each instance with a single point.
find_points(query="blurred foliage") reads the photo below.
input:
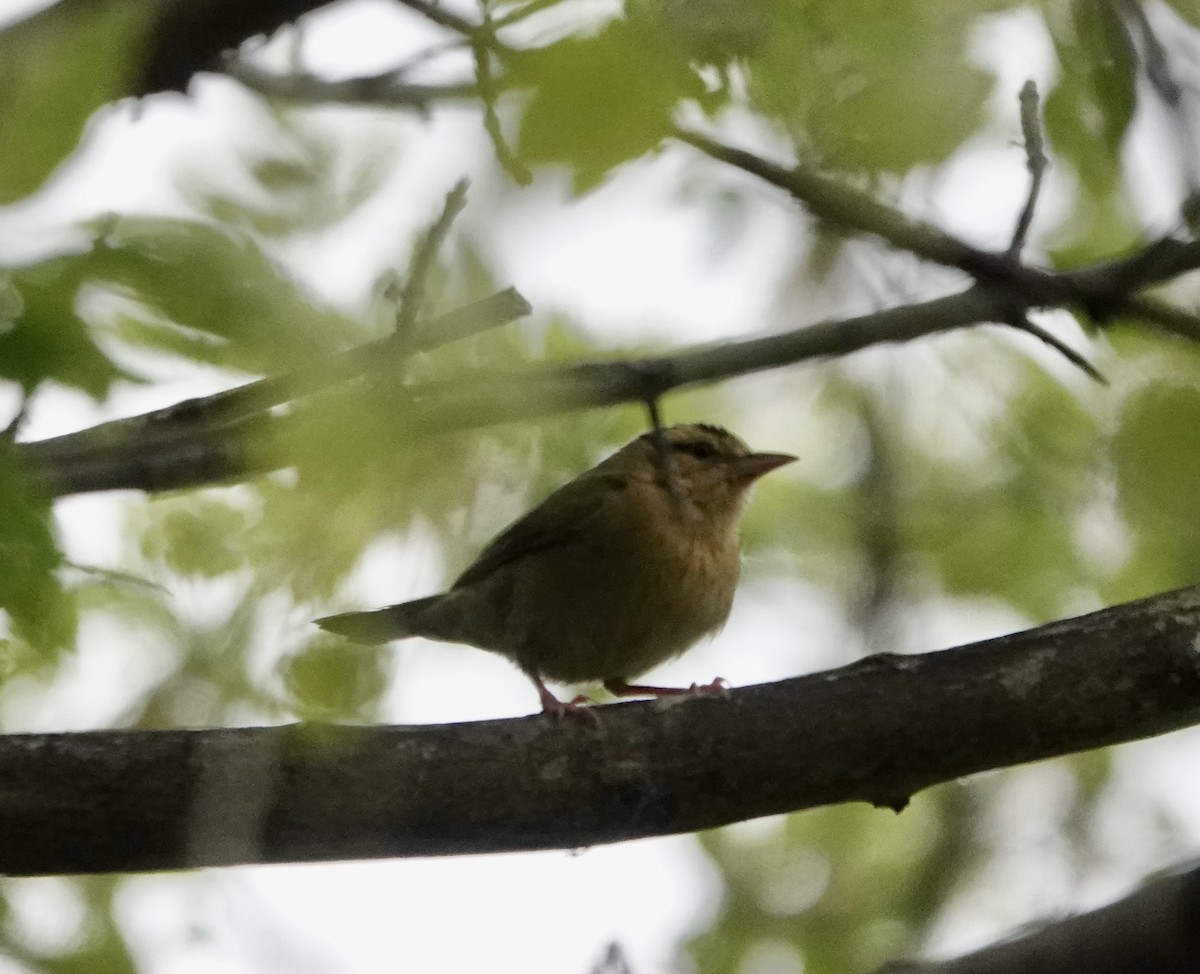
(845, 886)
(303, 179)
(602, 100)
(56, 68)
(961, 473)
(41, 613)
(858, 91)
(1087, 116)
(87, 938)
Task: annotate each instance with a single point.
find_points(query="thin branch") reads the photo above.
(488, 90)
(1099, 296)
(444, 18)
(218, 410)
(838, 203)
(412, 295)
(106, 458)
(113, 457)
(1023, 323)
(1035, 161)
(390, 88)
(13, 428)
(431, 10)
(1154, 56)
(877, 731)
(523, 13)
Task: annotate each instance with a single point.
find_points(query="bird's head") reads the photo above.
(713, 469)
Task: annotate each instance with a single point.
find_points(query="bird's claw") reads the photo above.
(719, 687)
(577, 708)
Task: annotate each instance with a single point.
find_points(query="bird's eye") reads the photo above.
(700, 449)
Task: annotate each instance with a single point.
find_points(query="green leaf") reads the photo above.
(333, 679)
(46, 338)
(1087, 115)
(197, 537)
(42, 614)
(1155, 450)
(56, 68)
(603, 100)
(203, 278)
(868, 88)
(308, 181)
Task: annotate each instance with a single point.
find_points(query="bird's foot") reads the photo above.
(577, 708)
(719, 687)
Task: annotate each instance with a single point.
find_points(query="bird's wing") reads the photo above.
(558, 520)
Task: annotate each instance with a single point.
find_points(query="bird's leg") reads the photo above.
(619, 688)
(576, 707)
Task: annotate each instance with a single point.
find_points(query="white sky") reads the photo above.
(623, 259)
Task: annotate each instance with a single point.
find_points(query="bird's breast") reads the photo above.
(626, 598)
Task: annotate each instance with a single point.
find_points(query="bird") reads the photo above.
(622, 568)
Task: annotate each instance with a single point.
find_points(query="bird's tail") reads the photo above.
(381, 625)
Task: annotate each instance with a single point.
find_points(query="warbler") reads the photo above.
(621, 569)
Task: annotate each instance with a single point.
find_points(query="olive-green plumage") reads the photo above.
(620, 569)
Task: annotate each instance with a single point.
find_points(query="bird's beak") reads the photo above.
(755, 465)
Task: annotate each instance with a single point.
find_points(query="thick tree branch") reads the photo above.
(1156, 928)
(876, 731)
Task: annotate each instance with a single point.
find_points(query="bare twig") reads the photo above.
(522, 13)
(431, 10)
(223, 408)
(103, 458)
(412, 295)
(1154, 56)
(1035, 161)
(613, 961)
(13, 429)
(1095, 291)
(1023, 323)
(388, 89)
(516, 170)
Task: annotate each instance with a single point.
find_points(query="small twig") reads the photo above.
(536, 6)
(9, 433)
(1154, 56)
(390, 88)
(1035, 161)
(1093, 289)
(1022, 322)
(517, 172)
(412, 296)
(665, 458)
(613, 961)
(114, 577)
(441, 16)
(219, 410)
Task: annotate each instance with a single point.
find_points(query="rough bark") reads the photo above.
(875, 731)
